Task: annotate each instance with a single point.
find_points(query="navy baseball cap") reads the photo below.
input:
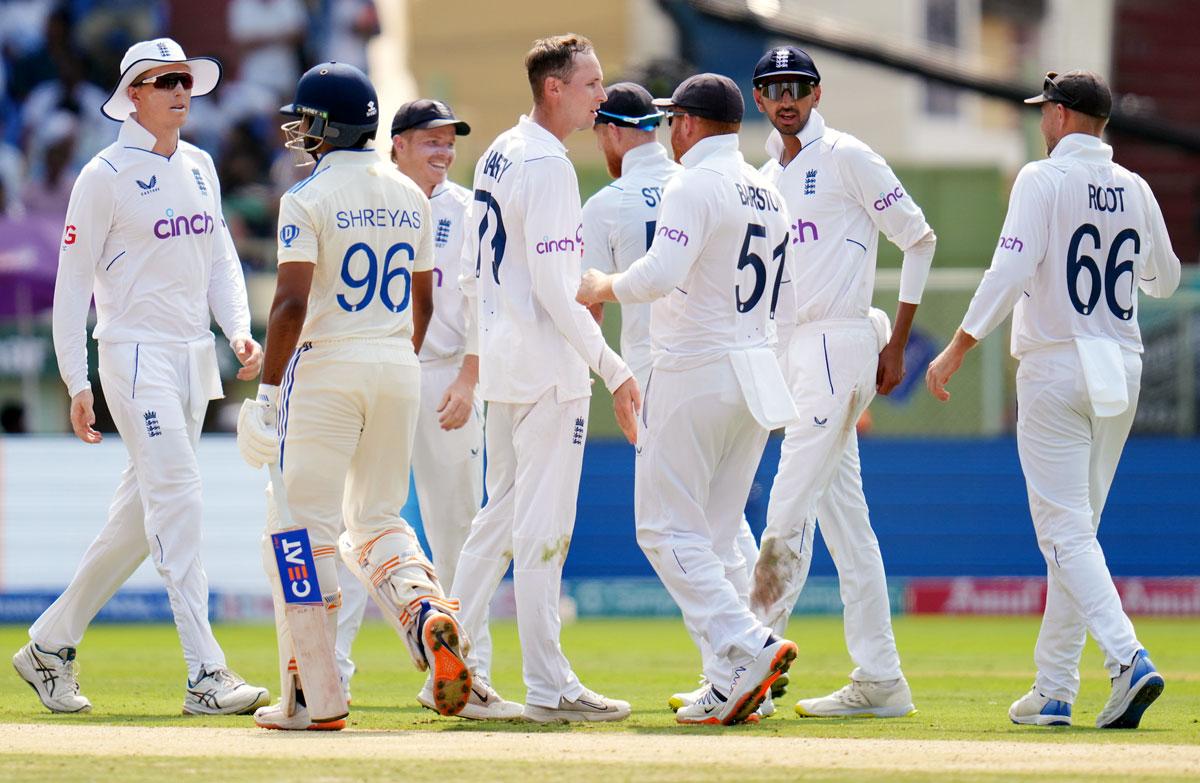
(425, 113)
(1082, 91)
(708, 95)
(786, 61)
(629, 105)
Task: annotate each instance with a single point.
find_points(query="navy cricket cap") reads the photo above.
(708, 95)
(1082, 91)
(786, 61)
(426, 113)
(629, 105)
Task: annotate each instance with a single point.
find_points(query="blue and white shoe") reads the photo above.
(1132, 692)
(1036, 709)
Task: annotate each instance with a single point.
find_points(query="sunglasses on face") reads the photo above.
(168, 81)
(671, 115)
(773, 91)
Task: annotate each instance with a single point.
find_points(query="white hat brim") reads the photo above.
(206, 73)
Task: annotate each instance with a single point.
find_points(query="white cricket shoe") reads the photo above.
(53, 677)
(484, 704)
(749, 687)
(1036, 709)
(221, 692)
(1135, 689)
(767, 708)
(588, 706)
(688, 698)
(275, 717)
(862, 699)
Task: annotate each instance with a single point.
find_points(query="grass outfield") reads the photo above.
(964, 673)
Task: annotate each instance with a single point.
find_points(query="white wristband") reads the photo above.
(267, 393)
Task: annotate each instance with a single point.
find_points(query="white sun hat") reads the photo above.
(143, 56)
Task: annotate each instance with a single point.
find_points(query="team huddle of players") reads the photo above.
(405, 302)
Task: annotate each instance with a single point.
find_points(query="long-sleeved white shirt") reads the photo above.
(446, 336)
(1082, 234)
(523, 255)
(840, 196)
(618, 226)
(718, 269)
(144, 233)
(366, 227)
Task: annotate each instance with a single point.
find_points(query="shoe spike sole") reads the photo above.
(451, 678)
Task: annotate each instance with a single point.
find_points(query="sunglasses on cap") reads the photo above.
(773, 91)
(168, 81)
(1054, 92)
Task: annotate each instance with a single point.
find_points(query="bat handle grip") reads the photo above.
(277, 489)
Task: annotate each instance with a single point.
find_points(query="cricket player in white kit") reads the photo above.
(447, 460)
(840, 195)
(352, 303)
(1082, 234)
(619, 223)
(145, 235)
(716, 273)
(535, 345)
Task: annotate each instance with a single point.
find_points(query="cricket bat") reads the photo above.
(304, 611)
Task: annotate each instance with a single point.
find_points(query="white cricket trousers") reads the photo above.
(831, 368)
(746, 549)
(447, 470)
(348, 412)
(157, 401)
(698, 449)
(1069, 457)
(535, 455)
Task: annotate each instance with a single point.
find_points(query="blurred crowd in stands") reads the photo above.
(59, 60)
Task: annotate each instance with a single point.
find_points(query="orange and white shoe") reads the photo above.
(275, 717)
(749, 687)
(441, 642)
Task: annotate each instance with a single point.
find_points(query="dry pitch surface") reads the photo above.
(963, 671)
(631, 751)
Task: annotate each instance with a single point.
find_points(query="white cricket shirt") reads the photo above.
(367, 228)
(446, 336)
(840, 195)
(522, 255)
(618, 226)
(719, 265)
(145, 235)
(1082, 234)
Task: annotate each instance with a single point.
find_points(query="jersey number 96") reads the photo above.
(371, 280)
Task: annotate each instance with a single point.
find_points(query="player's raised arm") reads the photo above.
(687, 218)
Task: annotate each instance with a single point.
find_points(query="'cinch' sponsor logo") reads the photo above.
(564, 245)
(183, 225)
(673, 234)
(1012, 243)
(885, 200)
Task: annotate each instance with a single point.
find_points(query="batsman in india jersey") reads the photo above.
(366, 227)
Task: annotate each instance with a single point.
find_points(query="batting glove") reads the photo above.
(257, 437)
